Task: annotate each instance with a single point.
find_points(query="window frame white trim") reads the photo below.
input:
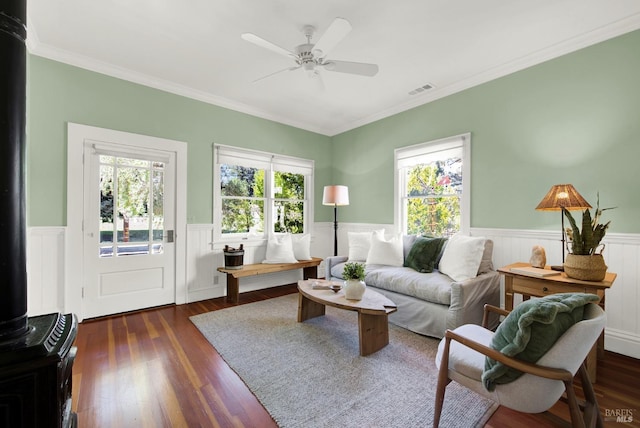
(432, 147)
(261, 159)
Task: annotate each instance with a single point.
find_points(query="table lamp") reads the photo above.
(562, 196)
(335, 195)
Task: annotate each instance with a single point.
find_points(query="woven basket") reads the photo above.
(585, 268)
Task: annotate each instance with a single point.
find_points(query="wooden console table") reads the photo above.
(309, 270)
(527, 286)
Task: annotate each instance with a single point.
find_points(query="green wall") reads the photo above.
(574, 119)
(59, 93)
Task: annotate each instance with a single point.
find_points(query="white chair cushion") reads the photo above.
(463, 359)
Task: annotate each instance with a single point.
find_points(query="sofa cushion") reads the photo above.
(336, 270)
(385, 252)
(462, 257)
(432, 287)
(407, 243)
(424, 254)
(486, 264)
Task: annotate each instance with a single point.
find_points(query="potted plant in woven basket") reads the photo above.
(354, 285)
(585, 261)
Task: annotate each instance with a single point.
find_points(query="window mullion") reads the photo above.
(116, 198)
(268, 203)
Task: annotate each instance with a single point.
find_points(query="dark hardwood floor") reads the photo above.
(154, 369)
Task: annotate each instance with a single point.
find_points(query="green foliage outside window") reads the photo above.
(243, 199)
(288, 206)
(433, 194)
(242, 192)
(139, 198)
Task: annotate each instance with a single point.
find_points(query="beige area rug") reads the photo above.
(311, 374)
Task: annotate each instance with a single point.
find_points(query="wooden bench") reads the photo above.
(309, 270)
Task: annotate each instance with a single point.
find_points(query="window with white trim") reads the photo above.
(256, 193)
(432, 187)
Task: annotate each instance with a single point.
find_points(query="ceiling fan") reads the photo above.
(312, 57)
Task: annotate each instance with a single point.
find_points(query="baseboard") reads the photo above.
(207, 293)
(622, 342)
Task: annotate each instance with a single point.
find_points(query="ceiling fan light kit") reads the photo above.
(310, 57)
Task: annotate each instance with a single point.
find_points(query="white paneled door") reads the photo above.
(126, 219)
(126, 241)
(128, 228)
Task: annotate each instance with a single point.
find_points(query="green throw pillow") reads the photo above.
(424, 254)
(530, 330)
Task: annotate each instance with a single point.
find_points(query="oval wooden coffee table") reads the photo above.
(373, 311)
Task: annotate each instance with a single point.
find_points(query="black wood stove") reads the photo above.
(36, 353)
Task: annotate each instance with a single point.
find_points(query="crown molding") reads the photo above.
(46, 51)
(601, 34)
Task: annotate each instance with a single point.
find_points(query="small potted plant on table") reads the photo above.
(354, 285)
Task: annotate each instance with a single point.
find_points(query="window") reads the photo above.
(131, 198)
(257, 192)
(432, 187)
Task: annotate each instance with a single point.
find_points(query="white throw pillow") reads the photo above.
(462, 257)
(383, 252)
(359, 243)
(301, 246)
(280, 250)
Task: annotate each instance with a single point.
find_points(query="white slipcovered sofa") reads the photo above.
(428, 303)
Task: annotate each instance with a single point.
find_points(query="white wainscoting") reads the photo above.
(204, 257)
(45, 270)
(622, 256)
(46, 275)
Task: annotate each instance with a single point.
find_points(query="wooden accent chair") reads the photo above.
(461, 357)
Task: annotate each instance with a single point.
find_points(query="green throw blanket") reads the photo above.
(530, 330)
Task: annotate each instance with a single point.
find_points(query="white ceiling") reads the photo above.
(193, 48)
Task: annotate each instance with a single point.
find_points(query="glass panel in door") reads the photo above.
(131, 207)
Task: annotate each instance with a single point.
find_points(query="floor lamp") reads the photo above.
(562, 196)
(337, 196)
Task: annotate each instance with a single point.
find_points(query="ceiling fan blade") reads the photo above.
(276, 72)
(360, 68)
(337, 31)
(259, 41)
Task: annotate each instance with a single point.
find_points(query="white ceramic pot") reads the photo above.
(354, 289)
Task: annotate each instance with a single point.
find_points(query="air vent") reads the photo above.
(419, 90)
